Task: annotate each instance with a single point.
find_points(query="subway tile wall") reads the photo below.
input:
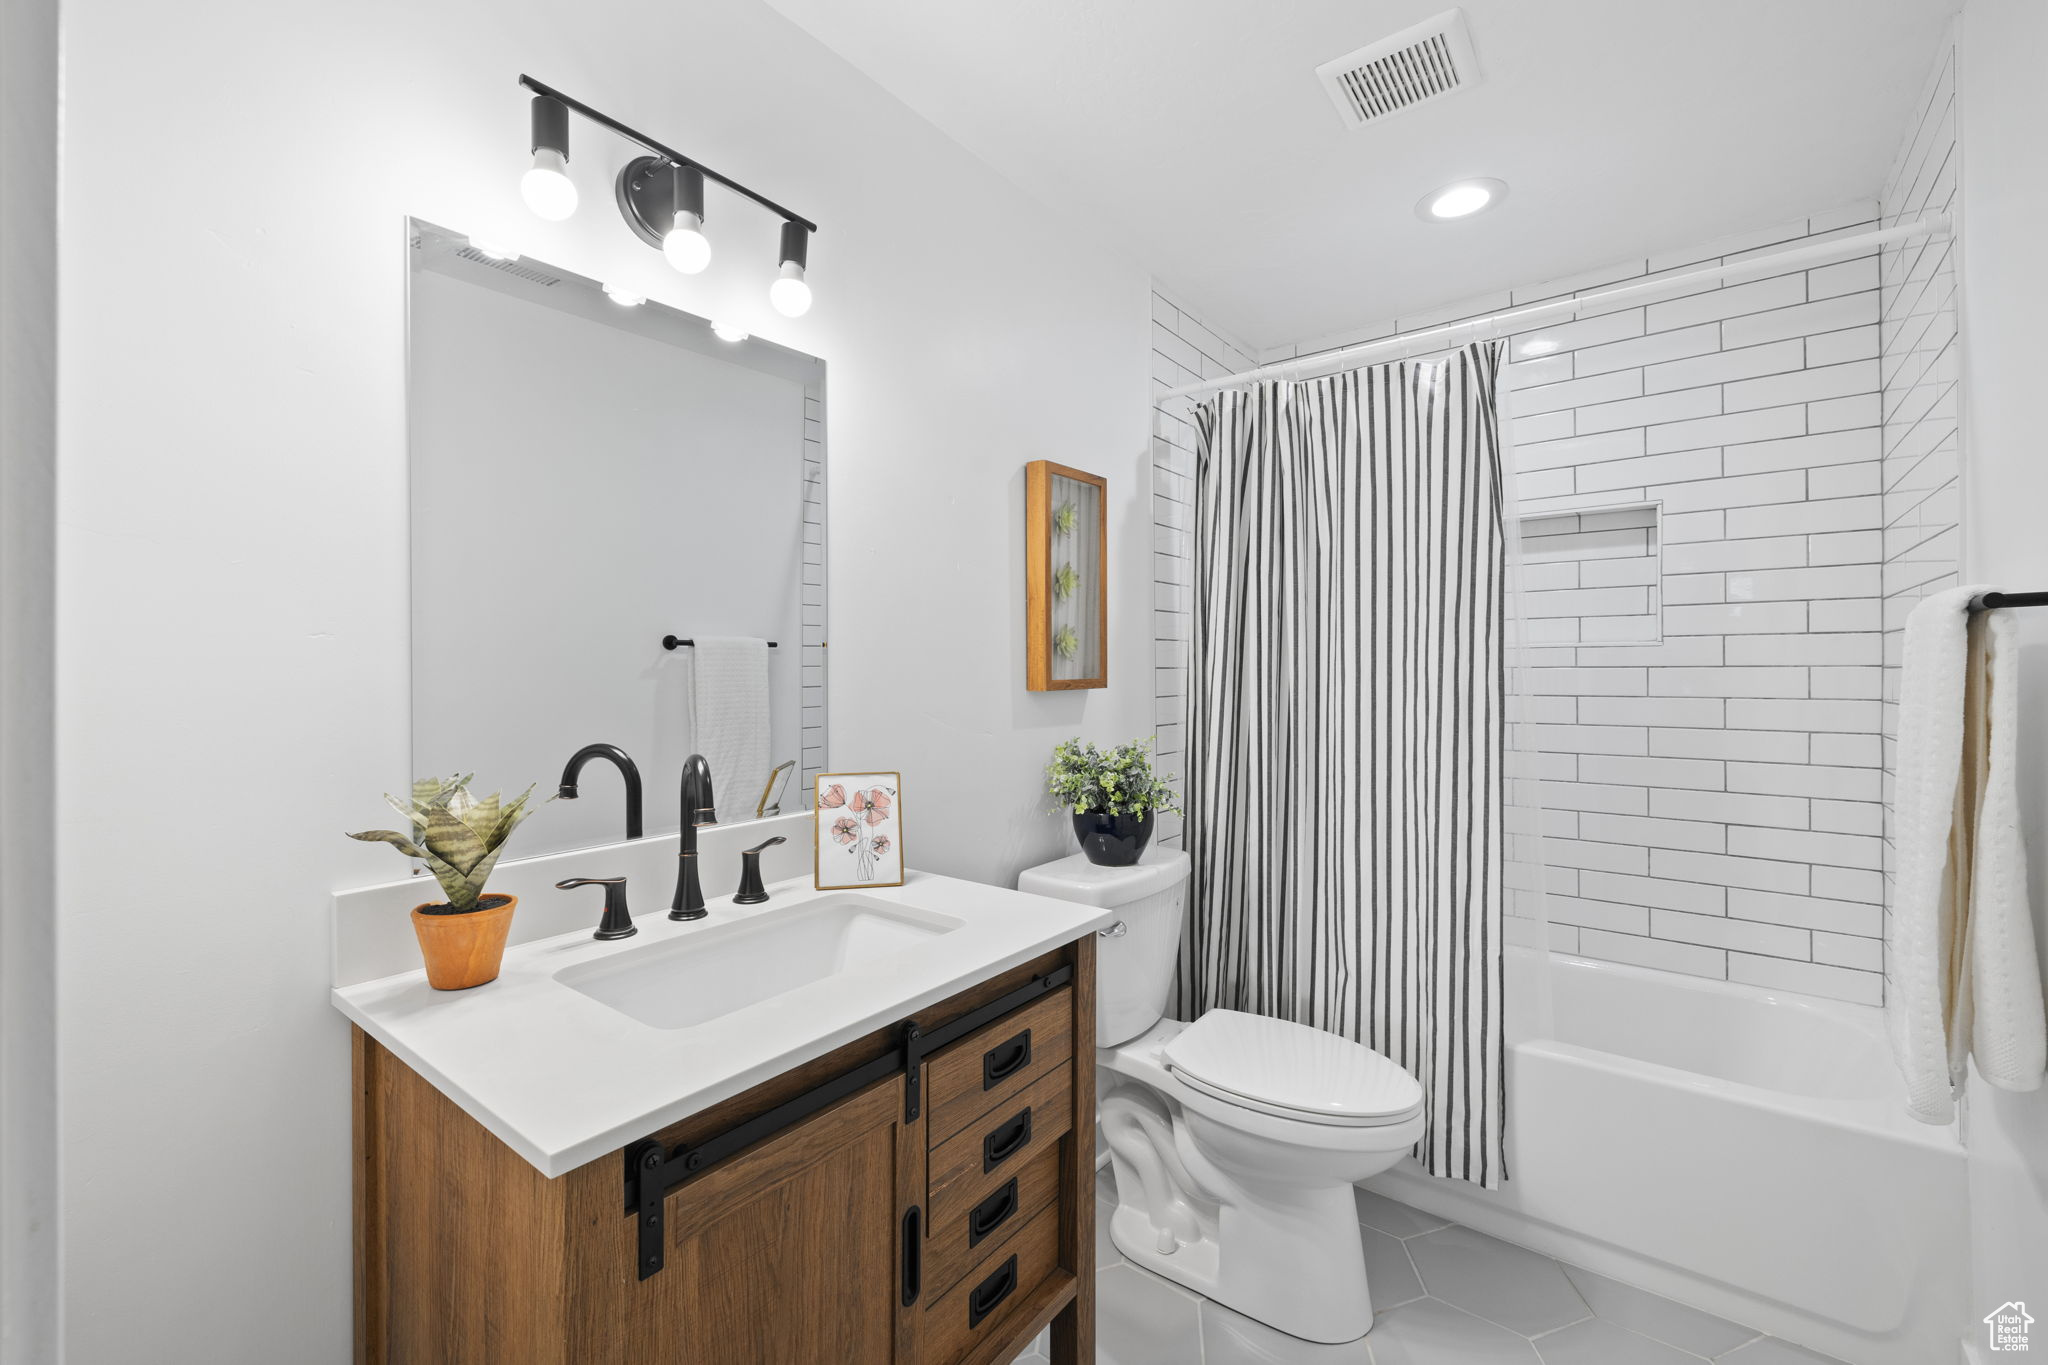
(797, 795)
(1712, 791)
(1920, 368)
(1183, 351)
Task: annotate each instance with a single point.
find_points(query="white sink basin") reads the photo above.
(716, 970)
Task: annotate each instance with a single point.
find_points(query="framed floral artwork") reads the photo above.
(1066, 578)
(859, 839)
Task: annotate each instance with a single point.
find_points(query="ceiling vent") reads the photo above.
(518, 270)
(1415, 66)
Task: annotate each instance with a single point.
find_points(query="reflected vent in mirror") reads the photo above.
(1417, 65)
(518, 270)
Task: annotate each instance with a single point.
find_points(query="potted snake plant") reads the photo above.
(459, 837)
(1113, 795)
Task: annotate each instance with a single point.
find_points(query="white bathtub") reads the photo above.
(1741, 1150)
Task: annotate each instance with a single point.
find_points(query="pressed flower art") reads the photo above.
(859, 823)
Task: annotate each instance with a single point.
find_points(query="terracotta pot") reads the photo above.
(464, 950)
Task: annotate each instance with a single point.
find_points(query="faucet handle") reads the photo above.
(751, 891)
(618, 921)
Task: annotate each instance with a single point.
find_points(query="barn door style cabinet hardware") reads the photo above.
(923, 1195)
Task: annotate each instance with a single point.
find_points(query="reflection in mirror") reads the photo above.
(589, 480)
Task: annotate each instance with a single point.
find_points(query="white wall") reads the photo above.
(2005, 355)
(28, 421)
(233, 598)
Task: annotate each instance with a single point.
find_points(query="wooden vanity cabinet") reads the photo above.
(870, 1231)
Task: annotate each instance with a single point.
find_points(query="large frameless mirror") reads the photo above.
(618, 537)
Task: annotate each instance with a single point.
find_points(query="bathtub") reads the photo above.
(1741, 1150)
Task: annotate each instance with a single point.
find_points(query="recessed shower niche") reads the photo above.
(1593, 577)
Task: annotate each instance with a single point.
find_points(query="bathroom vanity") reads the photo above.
(889, 1160)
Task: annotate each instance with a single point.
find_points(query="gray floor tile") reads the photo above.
(1233, 1339)
(1674, 1324)
(1141, 1319)
(1106, 1254)
(1388, 1275)
(1427, 1332)
(1594, 1342)
(1517, 1288)
(1771, 1351)
(1397, 1220)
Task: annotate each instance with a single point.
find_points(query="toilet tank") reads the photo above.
(1135, 956)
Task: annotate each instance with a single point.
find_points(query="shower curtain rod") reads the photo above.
(1476, 329)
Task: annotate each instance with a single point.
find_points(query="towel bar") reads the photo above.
(1987, 601)
(676, 642)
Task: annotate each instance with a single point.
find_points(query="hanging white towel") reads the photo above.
(1963, 978)
(729, 696)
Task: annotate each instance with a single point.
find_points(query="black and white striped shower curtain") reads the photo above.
(1346, 733)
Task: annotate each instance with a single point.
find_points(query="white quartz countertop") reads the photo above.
(563, 1079)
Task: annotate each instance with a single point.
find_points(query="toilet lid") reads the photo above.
(1291, 1069)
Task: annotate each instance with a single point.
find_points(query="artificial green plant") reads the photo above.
(457, 835)
(1118, 781)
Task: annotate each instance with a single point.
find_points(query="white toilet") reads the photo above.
(1236, 1139)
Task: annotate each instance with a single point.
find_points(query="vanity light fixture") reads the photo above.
(625, 298)
(547, 188)
(497, 251)
(725, 331)
(1461, 199)
(659, 194)
(790, 294)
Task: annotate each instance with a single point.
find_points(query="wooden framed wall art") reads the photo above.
(1066, 578)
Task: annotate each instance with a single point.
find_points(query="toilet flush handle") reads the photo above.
(1117, 930)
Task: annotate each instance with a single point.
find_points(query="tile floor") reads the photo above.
(1446, 1295)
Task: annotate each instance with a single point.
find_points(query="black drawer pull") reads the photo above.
(1005, 1060)
(1005, 1141)
(913, 1255)
(992, 1212)
(990, 1293)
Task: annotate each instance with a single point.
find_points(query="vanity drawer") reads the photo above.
(974, 1163)
(984, 1305)
(959, 1243)
(990, 1067)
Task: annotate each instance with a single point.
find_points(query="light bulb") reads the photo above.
(725, 331)
(686, 246)
(789, 294)
(625, 298)
(547, 188)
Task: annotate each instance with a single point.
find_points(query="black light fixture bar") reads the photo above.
(669, 153)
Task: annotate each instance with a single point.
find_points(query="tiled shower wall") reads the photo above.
(1920, 364)
(1713, 779)
(1183, 352)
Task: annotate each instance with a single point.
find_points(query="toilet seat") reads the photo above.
(1292, 1071)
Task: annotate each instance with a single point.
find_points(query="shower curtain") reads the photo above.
(1347, 725)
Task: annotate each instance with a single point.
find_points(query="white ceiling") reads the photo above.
(1197, 132)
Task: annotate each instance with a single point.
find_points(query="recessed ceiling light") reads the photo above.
(725, 331)
(1461, 200)
(625, 298)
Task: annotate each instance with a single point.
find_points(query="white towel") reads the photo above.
(729, 699)
(1959, 942)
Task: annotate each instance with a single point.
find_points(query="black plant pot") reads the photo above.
(1113, 840)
